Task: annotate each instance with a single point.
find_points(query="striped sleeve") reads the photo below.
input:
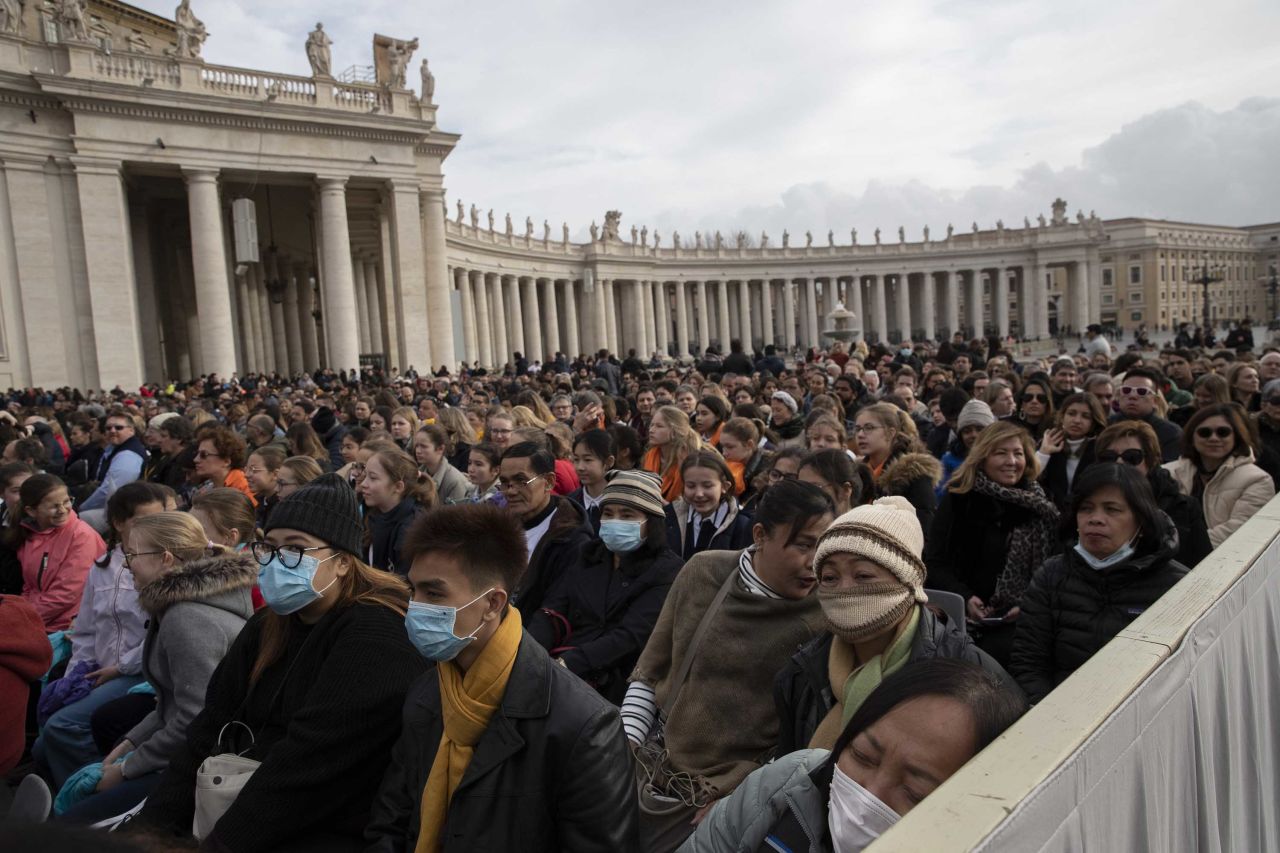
(639, 711)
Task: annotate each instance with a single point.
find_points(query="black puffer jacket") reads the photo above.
(1070, 611)
(551, 772)
(802, 690)
(1187, 515)
(610, 612)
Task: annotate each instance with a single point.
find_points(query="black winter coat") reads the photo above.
(1187, 515)
(914, 477)
(386, 535)
(1054, 476)
(610, 612)
(802, 690)
(1169, 434)
(732, 535)
(966, 547)
(568, 535)
(552, 771)
(324, 720)
(1070, 611)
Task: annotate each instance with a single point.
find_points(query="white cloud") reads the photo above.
(825, 113)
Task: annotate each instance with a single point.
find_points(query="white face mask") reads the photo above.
(855, 816)
(1121, 554)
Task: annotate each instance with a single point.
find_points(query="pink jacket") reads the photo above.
(55, 563)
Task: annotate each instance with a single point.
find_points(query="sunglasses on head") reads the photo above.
(1129, 457)
(1214, 432)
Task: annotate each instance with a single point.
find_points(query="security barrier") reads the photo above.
(1168, 739)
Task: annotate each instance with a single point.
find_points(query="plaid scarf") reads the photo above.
(1029, 544)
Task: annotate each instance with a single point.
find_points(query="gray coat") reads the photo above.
(785, 790)
(451, 485)
(196, 611)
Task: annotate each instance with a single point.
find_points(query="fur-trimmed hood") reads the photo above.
(902, 470)
(216, 581)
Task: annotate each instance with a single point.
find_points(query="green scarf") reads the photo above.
(864, 679)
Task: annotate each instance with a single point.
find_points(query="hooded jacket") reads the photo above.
(196, 611)
(914, 477)
(55, 562)
(1237, 490)
(111, 625)
(25, 655)
(1071, 610)
(802, 690)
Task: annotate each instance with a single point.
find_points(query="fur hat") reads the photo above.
(887, 533)
(975, 413)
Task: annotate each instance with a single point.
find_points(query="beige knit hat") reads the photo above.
(636, 489)
(887, 533)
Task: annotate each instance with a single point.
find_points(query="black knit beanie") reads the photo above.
(327, 509)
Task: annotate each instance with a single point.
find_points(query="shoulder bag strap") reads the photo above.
(704, 624)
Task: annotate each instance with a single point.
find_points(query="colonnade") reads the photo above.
(539, 316)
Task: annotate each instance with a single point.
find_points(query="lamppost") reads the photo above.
(1207, 277)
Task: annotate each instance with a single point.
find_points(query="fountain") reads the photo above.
(842, 325)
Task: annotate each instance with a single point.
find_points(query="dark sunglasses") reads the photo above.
(1035, 398)
(1214, 432)
(1130, 457)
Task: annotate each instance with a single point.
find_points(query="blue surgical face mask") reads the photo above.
(430, 628)
(622, 537)
(1121, 554)
(289, 590)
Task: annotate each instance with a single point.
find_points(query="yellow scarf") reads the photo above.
(467, 702)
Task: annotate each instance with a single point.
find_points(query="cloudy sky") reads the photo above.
(824, 115)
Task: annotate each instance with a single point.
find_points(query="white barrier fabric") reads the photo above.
(1191, 760)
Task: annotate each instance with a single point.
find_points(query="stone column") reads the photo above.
(264, 318)
(663, 317)
(572, 329)
(950, 303)
(497, 304)
(789, 313)
(532, 320)
(1040, 293)
(415, 325)
(437, 313)
(244, 307)
(855, 302)
(470, 341)
(484, 329)
(974, 304)
(1000, 301)
(744, 314)
(148, 298)
(610, 314)
(682, 321)
(362, 302)
(928, 297)
(292, 328)
(902, 304)
(341, 334)
(209, 263)
(275, 305)
(599, 320)
(553, 319)
(879, 308)
(722, 314)
(766, 313)
(650, 320)
(515, 315)
(306, 321)
(704, 324)
(377, 312)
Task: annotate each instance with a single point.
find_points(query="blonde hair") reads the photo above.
(409, 415)
(456, 427)
(684, 438)
(906, 438)
(523, 416)
(176, 533)
(967, 474)
(304, 468)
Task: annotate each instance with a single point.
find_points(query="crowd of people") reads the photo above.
(745, 603)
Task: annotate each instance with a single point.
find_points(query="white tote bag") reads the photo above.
(218, 783)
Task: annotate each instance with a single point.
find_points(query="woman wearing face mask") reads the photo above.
(931, 716)
(994, 529)
(1067, 448)
(601, 616)
(197, 599)
(974, 417)
(871, 588)
(299, 678)
(1121, 562)
(707, 517)
(1218, 468)
(719, 724)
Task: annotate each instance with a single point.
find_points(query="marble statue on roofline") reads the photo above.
(877, 236)
(786, 239)
(528, 226)
(428, 84)
(508, 224)
(318, 44)
(808, 239)
(831, 238)
(764, 239)
(10, 16)
(475, 217)
(491, 219)
(595, 231)
(853, 236)
(926, 233)
(398, 55)
(902, 234)
(191, 32)
(546, 231)
(644, 236)
(71, 23)
(564, 233)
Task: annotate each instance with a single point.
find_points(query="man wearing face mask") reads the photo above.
(502, 749)
(1122, 562)
(597, 620)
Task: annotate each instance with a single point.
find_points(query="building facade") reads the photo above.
(162, 217)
